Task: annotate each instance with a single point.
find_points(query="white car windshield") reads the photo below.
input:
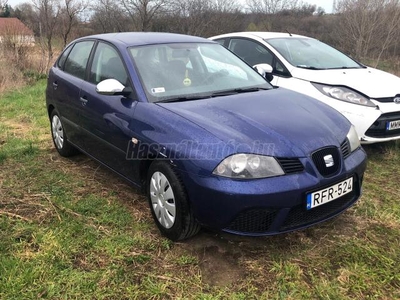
(312, 54)
(189, 71)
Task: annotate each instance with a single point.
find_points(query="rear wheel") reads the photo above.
(59, 137)
(169, 203)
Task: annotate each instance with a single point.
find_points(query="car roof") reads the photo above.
(261, 34)
(146, 38)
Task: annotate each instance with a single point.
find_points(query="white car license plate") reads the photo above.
(393, 125)
(329, 194)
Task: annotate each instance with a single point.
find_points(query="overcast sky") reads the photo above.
(326, 4)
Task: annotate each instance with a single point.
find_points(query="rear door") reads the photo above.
(66, 79)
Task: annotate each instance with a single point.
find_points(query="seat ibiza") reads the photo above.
(207, 138)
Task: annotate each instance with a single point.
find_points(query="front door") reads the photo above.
(107, 120)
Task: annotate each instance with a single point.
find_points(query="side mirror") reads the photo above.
(112, 87)
(265, 70)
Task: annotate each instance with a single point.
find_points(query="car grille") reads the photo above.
(259, 221)
(253, 221)
(291, 165)
(318, 158)
(299, 216)
(345, 149)
(378, 129)
(387, 99)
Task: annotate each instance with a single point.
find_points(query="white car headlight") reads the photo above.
(353, 138)
(344, 94)
(247, 166)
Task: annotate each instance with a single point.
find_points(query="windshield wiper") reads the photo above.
(308, 67)
(238, 91)
(183, 98)
(345, 68)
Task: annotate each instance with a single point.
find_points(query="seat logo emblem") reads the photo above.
(397, 100)
(329, 162)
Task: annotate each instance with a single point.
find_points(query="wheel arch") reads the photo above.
(50, 109)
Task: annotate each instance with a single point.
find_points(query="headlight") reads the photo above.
(246, 166)
(353, 138)
(344, 94)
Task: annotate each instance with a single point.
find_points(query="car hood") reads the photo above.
(277, 122)
(371, 82)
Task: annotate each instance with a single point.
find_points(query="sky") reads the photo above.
(326, 4)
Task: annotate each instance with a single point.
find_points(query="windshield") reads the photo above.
(311, 54)
(192, 71)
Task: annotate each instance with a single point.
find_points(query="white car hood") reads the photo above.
(371, 82)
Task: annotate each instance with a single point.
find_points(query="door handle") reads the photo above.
(83, 100)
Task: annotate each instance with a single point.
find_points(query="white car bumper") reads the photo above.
(371, 123)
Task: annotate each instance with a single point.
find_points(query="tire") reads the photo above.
(59, 136)
(169, 203)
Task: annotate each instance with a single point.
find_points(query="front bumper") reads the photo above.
(378, 132)
(271, 205)
(371, 123)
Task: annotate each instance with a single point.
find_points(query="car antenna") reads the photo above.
(288, 32)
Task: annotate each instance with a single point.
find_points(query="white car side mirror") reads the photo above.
(265, 70)
(111, 87)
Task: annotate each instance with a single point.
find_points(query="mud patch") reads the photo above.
(218, 260)
(218, 267)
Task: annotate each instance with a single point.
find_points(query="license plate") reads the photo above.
(393, 125)
(329, 194)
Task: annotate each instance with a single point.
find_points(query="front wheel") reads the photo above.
(59, 137)
(169, 203)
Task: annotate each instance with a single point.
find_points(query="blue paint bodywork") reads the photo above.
(195, 136)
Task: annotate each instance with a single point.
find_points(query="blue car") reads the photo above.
(205, 136)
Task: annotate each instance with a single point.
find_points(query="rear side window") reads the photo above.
(78, 59)
(63, 57)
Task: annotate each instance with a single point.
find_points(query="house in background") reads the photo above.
(14, 32)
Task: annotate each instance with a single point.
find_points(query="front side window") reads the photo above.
(107, 64)
(251, 52)
(311, 54)
(78, 58)
(189, 70)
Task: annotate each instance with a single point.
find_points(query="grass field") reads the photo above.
(70, 229)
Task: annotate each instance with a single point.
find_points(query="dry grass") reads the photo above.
(21, 65)
(10, 75)
(70, 228)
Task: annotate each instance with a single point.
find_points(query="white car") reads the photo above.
(368, 97)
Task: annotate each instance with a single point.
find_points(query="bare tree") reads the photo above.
(109, 16)
(191, 16)
(390, 28)
(368, 26)
(227, 17)
(271, 6)
(204, 17)
(48, 12)
(142, 12)
(69, 17)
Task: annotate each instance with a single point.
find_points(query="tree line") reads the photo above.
(365, 29)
